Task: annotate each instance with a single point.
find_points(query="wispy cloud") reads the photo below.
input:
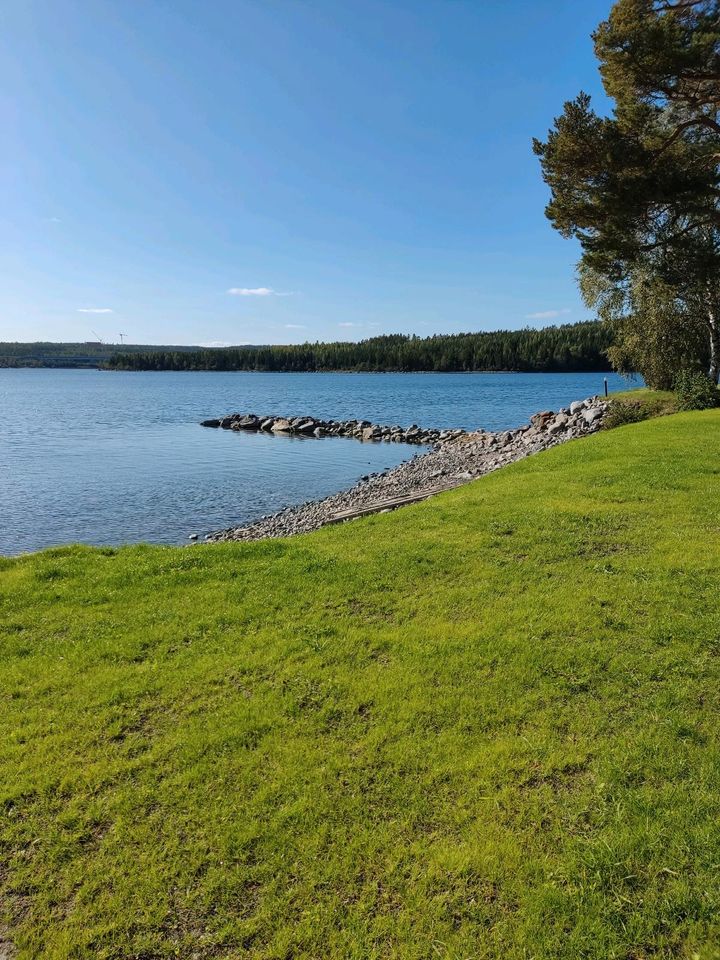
(94, 310)
(219, 343)
(347, 325)
(53, 219)
(256, 292)
(295, 326)
(251, 291)
(546, 314)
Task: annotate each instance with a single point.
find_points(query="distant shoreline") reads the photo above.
(430, 373)
(568, 348)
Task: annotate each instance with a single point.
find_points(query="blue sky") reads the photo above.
(347, 168)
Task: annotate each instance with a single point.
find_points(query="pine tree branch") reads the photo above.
(666, 5)
(688, 125)
(673, 238)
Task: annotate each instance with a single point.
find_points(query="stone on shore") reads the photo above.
(456, 457)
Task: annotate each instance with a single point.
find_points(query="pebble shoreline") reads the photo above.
(457, 457)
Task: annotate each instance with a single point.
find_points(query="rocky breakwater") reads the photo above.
(312, 427)
(454, 460)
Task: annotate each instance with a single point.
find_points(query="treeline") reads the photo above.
(571, 347)
(88, 354)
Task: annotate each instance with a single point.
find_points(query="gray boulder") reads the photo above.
(250, 422)
(281, 425)
(557, 426)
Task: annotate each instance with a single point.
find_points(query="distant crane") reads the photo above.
(97, 335)
(121, 335)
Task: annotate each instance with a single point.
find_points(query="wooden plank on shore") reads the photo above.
(393, 504)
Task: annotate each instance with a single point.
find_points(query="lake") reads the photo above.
(108, 458)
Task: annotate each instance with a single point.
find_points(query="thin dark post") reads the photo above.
(606, 387)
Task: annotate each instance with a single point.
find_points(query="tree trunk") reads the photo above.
(714, 371)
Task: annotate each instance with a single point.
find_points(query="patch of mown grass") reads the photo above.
(483, 726)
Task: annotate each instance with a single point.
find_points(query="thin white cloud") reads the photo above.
(54, 220)
(349, 325)
(251, 291)
(219, 343)
(94, 310)
(546, 314)
(257, 292)
(295, 326)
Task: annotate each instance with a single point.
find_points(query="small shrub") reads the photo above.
(622, 412)
(695, 391)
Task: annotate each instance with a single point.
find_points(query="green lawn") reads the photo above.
(482, 727)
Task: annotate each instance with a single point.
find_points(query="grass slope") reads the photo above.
(652, 403)
(485, 727)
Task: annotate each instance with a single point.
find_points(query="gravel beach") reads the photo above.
(456, 458)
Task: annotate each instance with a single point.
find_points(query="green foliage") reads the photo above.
(653, 403)
(578, 346)
(45, 354)
(640, 189)
(622, 412)
(695, 391)
(654, 333)
(483, 726)
(655, 52)
(634, 406)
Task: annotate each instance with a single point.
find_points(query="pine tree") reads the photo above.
(640, 189)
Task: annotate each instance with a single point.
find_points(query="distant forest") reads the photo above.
(89, 354)
(570, 348)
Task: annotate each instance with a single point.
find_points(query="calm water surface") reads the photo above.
(109, 458)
